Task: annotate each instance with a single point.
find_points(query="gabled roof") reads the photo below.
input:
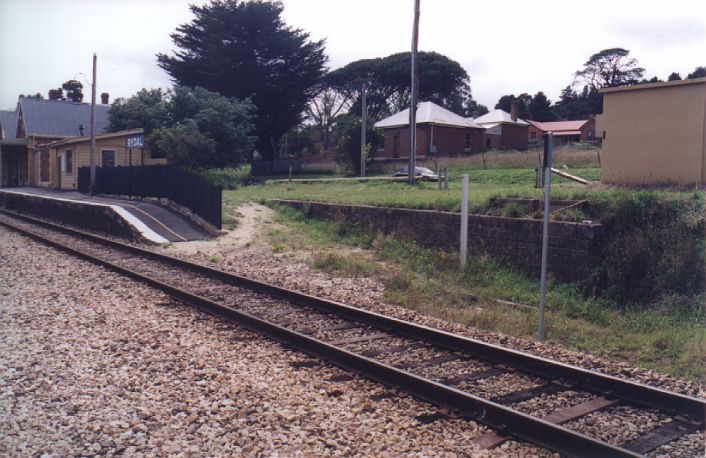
(8, 125)
(498, 116)
(559, 126)
(427, 113)
(58, 118)
(71, 141)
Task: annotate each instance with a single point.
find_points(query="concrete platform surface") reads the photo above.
(156, 223)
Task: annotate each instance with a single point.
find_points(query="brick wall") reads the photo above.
(449, 141)
(515, 137)
(573, 247)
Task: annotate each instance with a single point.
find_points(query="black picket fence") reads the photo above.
(161, 181)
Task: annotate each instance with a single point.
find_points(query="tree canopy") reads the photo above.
(699, 72)
(441, 80)
(245, 50)
(74, 90)
(609, 68)
(523, 100)
(540, 108)
(193, 127)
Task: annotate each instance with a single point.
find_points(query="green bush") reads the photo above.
(654, 246)
(348, 146)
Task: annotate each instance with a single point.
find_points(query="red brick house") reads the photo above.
(440, 132)
(503, 130)
(582, 130)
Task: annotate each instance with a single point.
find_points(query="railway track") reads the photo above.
(519, 396)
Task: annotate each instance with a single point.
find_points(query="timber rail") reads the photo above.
(433, 365)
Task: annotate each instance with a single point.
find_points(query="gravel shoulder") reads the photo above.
(92, 363)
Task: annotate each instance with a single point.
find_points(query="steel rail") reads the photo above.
(497, 416)
(588, 380)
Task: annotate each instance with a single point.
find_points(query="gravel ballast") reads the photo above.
(93, 363)
(142, 374)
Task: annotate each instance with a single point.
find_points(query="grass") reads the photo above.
(661, 236)
(669, 336)
(484, 185)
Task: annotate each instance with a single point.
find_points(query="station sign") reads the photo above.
(136, 141)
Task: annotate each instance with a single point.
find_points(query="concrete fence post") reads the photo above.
(548, 146)
(464, 221)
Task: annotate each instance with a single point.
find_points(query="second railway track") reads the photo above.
(514, 393)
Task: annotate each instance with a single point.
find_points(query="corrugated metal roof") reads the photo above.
(498, 116)
(559, 126)
(427, 112)
(60, 118)
(8, 125)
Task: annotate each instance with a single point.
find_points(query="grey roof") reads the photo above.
(498, 116)
(8, 124)
(60, 118)
(427, 112)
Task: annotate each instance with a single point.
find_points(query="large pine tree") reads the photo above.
(244, 49)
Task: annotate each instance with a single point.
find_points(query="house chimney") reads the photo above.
(475, 114)
(513, 110)
(105, 98)
(54, 94)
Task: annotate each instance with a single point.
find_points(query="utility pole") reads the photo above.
(363, 129)
(93, 130)
(414, 90)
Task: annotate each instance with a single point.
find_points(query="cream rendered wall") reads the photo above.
(82, 157)
(655, 135)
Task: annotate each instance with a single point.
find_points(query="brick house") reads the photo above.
(582, 130)
(26, 132)
(440, 132)
(503, 130)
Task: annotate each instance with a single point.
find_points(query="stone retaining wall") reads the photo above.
(573, 247)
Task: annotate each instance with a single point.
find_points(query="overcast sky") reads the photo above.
(505, 46)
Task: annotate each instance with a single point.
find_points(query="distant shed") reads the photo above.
(655, 133)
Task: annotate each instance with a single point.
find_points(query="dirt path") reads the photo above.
(253, 218)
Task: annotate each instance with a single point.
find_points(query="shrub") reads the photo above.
(654, 246)
(348, 147)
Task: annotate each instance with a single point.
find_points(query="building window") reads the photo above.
(68, 162)
(590, 135)
(157, 154)
(467, 143)
(108, 158)
(533, 135)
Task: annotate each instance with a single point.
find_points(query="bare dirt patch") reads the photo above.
(247, 233)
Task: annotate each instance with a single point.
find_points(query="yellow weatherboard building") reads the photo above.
(655, 134)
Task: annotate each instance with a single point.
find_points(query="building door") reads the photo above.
(396, 145)
(44, 165)
(13, 168)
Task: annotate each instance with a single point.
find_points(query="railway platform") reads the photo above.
(141, 219)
